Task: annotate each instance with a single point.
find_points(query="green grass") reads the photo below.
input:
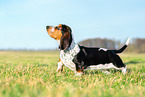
(33, 74)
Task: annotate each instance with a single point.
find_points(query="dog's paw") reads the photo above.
(59, 70)
(124, 70)
(78, 73)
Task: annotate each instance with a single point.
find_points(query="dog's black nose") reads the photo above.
(47, 27)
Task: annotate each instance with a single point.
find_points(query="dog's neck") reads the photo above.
(72, 46)
(72, 50)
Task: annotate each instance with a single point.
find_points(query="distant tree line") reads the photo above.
(137, 44)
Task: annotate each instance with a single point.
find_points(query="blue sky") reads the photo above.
(23, 22)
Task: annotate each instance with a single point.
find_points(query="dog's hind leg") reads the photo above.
(60, 66)
(118, 63)
(124, 70)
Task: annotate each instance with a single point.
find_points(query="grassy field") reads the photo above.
(33, 74)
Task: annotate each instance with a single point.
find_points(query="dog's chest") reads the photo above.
(67, 56)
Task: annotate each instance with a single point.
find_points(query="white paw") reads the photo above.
(59, 69)
(78, 74)
(124, 70)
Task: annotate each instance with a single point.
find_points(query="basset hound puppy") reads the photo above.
(79, 58)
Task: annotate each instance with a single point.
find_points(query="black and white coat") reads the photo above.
(79, 58)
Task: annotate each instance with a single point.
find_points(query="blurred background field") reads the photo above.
(33, 74)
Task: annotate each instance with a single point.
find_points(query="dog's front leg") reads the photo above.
(60, 66)
(79, 71)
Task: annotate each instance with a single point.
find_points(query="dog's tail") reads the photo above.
(123, 48)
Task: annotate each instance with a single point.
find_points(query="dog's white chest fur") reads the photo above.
(68, 55)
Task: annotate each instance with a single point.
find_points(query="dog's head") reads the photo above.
(61, 33)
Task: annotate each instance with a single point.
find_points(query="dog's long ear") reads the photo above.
(66, 38)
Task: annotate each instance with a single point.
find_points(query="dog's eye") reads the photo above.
(58, 28)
